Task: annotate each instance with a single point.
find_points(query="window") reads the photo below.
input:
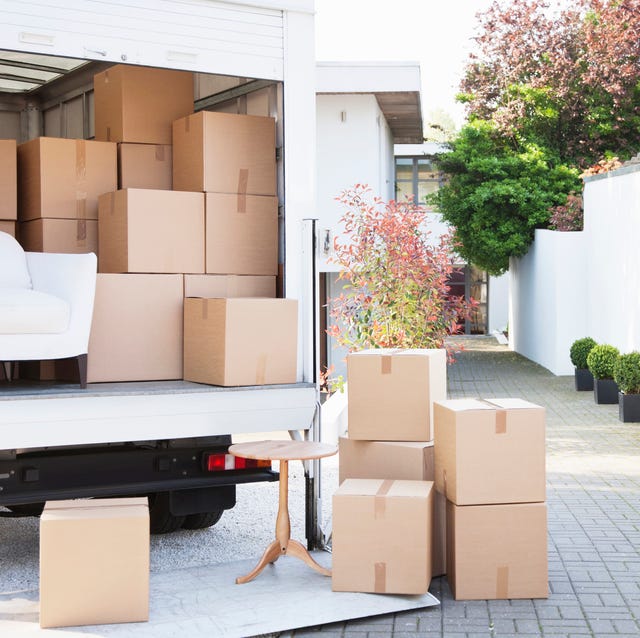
(416, 176)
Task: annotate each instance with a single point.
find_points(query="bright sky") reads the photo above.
(436, 34)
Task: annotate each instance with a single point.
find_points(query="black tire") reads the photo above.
(200, 521)
(161, 520)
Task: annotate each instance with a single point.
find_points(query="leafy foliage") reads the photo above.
(626, 372)
(601, 361)
(395, 277)
(568, 217)
(580, 350)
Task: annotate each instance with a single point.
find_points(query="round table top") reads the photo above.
(282, 450)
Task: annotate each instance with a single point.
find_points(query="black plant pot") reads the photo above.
(629, 407)
(584, 379)
(605, 391)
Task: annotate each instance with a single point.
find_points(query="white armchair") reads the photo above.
(46, 305)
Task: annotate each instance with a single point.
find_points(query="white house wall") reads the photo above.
(354, 145)
(498, 303)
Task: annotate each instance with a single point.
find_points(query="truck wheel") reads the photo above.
(200, 521)
(161, 520)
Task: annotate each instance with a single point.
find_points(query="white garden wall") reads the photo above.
(572, 285)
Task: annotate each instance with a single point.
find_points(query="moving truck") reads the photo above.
(166, 438)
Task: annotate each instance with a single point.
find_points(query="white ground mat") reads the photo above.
(205, 601)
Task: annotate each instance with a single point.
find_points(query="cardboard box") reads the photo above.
(8, 227)
(382, 536)
(391, 393)
(229, 286)
(138, 104)
(145, 166)
(497, 551)
(136, 332)
(8, 180)
(225, 153)
(51, 370)
(240, 341)
(62, 178)
(397, 460)
(490, 451)
(94, 562)
(60, 235)
(151, 231)
(241, 234)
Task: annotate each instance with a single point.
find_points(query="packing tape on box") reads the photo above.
(261, 368)
(81, 179)
(205, 309)
(502, 582)
(379, 500)
(160, 153)
(380, 578)
(501, 416)
(243, 184)
(187, 124)
(81, 232)
(385, 364)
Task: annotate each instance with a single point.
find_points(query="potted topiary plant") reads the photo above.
(626, 374)
(601, 361)
(578, 353)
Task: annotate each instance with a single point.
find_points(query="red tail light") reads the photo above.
(221, 462)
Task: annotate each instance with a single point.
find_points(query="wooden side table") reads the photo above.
(283, 451)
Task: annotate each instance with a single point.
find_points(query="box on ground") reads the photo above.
(60, 235)
(51, 370)
(8, 180)
(497, 551)
(241, 234)
(138, 104)
(240, 341)
(229, 286)
(8, 227)
(225, 153)
(63, 178)
(391, 393)
(136, 332)
(404, 460)
(382, 536)
(145, 166)
(490, 451)
(94, 562)
(151, 231)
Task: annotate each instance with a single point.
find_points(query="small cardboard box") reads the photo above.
(404, 460)
(60, 235)
(94, 562)
(151, 231)
(241, 234)
(136, 332)
(229, 286)
(139, 104)
(63, 178)
(382, 536)
(145, 166)
(490, 451)
(8, 180)
(233, 342)
(8, 227)
(497, 551)
(225, 153)
(391, 393)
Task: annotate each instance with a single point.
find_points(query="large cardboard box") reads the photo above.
(391, 393)
(136, 332)
(225, 153)
(8, 227)
(145, 166)
(404, 460)
(497, 551)
(234, 342)
(138, 104)
(60, 235)
(63, 178)
(94, 562)
(8, 180)
(151, 231)
(490, 451)
(241, 234)
(382, 536)
(229, 286)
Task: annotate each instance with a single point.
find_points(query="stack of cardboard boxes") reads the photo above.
(388, 529)
(175, 204)
(8, 187)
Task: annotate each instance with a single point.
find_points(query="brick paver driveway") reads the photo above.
(593, 494)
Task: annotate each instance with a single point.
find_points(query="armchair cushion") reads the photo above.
(26, 311)
(14, 272)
